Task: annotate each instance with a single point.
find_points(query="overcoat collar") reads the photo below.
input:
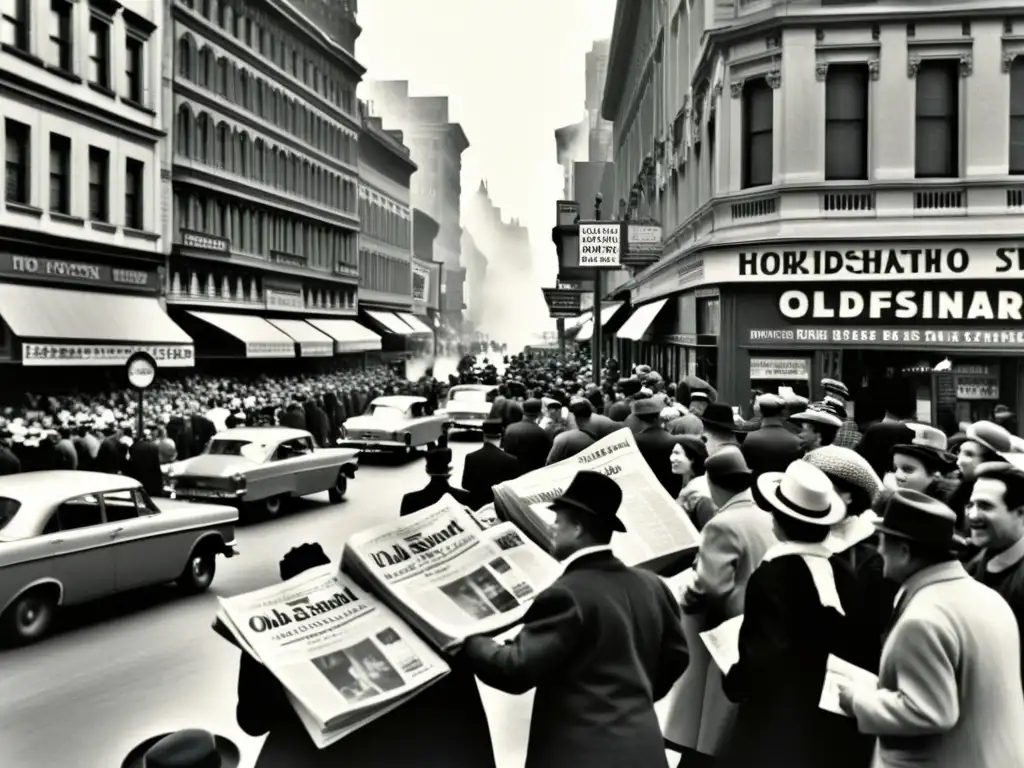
(933, 574)
(589, 557)
(1006, 559)
(743, 497)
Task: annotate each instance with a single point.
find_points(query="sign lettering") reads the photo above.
(977, 388)
(58, 270)
(911, 304)
(563, 303)
(283, 299)
(904, 261)
(202, 242)
(287, 259)
(780, 368)
(420, 282)
(994, 339)
(270, 349)
(600, 245)
(166, 355)
(643, 245)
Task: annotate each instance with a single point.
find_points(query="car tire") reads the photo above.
(337, 492)
(272, 506)
(29, 617)
(199, 570)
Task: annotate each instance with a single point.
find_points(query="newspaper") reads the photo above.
(486, 517)
(448, 578)
(659, 535)
(841, 671)
(723, 643)
(342, 656)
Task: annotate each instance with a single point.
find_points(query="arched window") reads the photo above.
(243, 90)
(220, 86)
(184, 130)
(202, 139)
(223, 151)
(257, 157)
(242, 166)
(205, 66)
(185, 58)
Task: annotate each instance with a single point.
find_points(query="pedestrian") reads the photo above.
(838, 395)
(799, 608)
(922, 464)
(600, 645)
(949, 685)
(488, 466)
(878, 440)
(526, 440)
(818, 428)
(189, 748)
(984, 442)
(656, 444)
(687, 460)
(771, 447)
(143, 464)
(439, 470)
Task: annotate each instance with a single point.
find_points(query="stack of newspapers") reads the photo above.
(659, 535)
(350, 645)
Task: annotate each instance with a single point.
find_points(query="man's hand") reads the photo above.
(845, 697)
(476, 644)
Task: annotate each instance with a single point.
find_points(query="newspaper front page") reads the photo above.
(446, 576)
(343, 657)
(657, 529)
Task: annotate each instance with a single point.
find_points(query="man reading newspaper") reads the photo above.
(600, 621)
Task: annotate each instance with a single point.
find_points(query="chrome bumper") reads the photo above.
(372, 445)
(230, 549)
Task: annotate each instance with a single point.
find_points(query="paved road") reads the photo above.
(115, 674)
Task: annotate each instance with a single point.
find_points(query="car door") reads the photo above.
(297, 459)
(83, 560)
(146, 550)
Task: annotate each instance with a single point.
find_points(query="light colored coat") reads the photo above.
(732, 545)
(949, 690)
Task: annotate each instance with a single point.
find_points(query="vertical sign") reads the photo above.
(600, 244)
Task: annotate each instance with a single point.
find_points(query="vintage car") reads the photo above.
(469, 405)
(68, 537)
(394, 423)
(260, 468)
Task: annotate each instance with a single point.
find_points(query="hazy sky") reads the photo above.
(513, 73)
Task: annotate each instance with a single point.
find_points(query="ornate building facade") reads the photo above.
(265, 162)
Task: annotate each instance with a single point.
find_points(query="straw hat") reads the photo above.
(804, 493)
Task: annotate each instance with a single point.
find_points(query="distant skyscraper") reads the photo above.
(600, 143)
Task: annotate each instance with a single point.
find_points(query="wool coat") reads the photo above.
(528, 443)
(949, 686)
(700, 717)
(485, 468)
(600, 645)
(1004, 572)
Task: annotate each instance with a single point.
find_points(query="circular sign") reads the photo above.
(141, 369)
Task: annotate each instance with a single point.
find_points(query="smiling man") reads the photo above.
(995, 519)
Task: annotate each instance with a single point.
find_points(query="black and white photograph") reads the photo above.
(274, 274)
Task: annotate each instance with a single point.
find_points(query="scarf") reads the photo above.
(815, 556)
(851, 531)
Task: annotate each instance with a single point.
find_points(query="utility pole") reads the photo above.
(595, 338)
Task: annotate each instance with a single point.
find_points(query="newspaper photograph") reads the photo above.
(446, 576)
(342, 656)
(659, 535)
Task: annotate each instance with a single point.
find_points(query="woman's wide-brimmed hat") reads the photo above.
(189, 748)
(804, 493)
(818, 415)
(990, 435)
(929, 446)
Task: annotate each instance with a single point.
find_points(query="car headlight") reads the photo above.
(239, 481)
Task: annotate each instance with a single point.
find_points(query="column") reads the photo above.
(799, 120)
(894, 96)
(986, 103)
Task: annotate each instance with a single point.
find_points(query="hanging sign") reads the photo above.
(780, 368)
(977, 388)
(642, 244)
(600, 244)
(563, 303)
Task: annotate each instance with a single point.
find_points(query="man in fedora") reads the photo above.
(720, 428)
(488, 466)
(439, 469)
(771, 447)
(620, 410)
(800, 606)
(655, 443)
(189, 748)
(526, 440)
(949, 687)
(577, 719)
(819, 426)
(838, 394)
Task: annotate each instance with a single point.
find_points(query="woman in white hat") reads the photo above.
(800, 607)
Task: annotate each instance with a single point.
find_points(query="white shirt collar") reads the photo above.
(584, 552)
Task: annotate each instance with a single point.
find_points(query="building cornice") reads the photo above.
(398, 151)
(325, 41)
(627, 16)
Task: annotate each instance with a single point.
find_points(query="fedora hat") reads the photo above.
(990, 435)
(917, 517)
(929, 446)
(533, 407)
(647, 406)
(720, 416)
(189, 748)
(771, 401)
(629, 387)
(818, 415)
(804, 493)
(728, 465)
(835, 387)
(439, 460)
(1002, 413)
(595, 494)
(493, 427)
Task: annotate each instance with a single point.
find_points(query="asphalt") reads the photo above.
(117, 672)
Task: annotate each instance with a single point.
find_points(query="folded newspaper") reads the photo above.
(659, 535)
(448, 577)
(343, 657)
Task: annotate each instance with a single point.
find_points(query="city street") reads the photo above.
(113, 675)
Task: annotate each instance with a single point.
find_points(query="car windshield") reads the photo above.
(389, 412)
(247, 449)
(8, 509)
(470, 396)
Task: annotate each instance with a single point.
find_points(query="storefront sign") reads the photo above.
(199, 241)
(566, 212)
(563, 303)
(600, 244)
(65, 271)
(316, 348)
(643, 244)
(420, 282)
(141, 370)
(270, 349)
(287, 259)
(166, 356)
(780, 368)
(977, 388)
(276, 299)
(912, 304)
(681, 339)
(994, 339)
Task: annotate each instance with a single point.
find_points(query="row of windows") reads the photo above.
(280, 49)
(937, 115)
(264, 233)
(18, 177)
(247, 89)
(379, 272)
(17, 22)
(256, 160)
(378, 222)
(230, 287)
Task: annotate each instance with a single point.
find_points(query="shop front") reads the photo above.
(403, 335)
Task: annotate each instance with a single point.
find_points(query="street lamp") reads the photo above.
(595, 338)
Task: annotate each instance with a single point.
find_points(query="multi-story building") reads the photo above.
(436, 145)
(386, 239)
(841, 190)
(476, 279)
(426, 274)
(600, 136)
(571, 148)
(265, 178)
(81, 252)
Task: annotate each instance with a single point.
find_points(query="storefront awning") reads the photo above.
(391, 322)
(638, 323)
(573, 324)
(104, 328)
(312, 343)
(586, 331)
(417, 325)
(260, 338)
(348, 335)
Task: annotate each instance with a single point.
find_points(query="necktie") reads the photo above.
(896, 611)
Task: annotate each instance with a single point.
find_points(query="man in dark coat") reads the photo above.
(600, 624)
(203, 431)
(771, 447)
(294, 416)
(439, 470)
(620, 409)
(877, 443)
(110, 457)
(526, 440)
(488, 466)
(317, 423)
(656, 444)
(144, 465)
(10, 464)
